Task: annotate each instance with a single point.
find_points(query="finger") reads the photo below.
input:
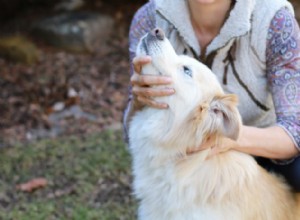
(209, 142)
(138, 62)
(152, 103)
(150, 80)
(214, 150)
(221, 146)
(152, 92)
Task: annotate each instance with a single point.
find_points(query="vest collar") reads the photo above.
(238, 23)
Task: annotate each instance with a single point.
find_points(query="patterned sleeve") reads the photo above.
(283, 71)
(142, 22)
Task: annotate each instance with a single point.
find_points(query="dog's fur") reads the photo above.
(174, 185)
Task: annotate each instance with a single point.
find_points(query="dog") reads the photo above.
(172, 184)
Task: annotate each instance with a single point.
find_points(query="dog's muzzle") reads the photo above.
(153, 36)
(157, 34)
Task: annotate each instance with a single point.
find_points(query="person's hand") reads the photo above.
(222, 145)
(142, 85)
(217, 145)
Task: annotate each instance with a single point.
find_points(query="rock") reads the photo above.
(69, 5)
(75, 31)
(18, 49)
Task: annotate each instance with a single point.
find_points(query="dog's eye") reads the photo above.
(187, 71)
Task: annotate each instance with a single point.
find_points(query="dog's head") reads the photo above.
(199, 108)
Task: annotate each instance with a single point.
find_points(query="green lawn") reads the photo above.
(88, 178)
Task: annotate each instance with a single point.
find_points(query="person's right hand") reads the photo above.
(142, 84)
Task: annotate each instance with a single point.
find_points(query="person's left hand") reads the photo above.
(222, 145)
(217, 145)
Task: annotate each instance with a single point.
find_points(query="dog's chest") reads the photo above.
(191, 190)
(172, 190)
(176, 199)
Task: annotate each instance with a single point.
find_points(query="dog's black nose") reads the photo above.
(158, 33)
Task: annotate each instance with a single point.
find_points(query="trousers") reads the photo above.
(290, 171)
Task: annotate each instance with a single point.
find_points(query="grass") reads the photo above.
(88, 178)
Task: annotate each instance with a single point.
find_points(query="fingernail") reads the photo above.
(147, 58)
(162, 106)
(169, 79)
(170, 90)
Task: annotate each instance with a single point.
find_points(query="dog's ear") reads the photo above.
(224, 113)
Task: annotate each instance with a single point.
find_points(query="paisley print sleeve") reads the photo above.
(283, 71)
(142, 22)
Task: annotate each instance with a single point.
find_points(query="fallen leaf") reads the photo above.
(32, 185)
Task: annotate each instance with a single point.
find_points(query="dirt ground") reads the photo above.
(30, 94)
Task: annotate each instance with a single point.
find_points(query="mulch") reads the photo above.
(98, 84)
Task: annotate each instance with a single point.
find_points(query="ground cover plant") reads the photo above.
(87, 178)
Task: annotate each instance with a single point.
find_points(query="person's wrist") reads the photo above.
(242, 140)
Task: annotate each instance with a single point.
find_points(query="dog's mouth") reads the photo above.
(151, 43)
(144, 46)
(156, 45)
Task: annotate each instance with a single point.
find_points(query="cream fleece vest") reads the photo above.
(237, 55)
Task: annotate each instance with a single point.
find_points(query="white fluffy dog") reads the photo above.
(174, 185)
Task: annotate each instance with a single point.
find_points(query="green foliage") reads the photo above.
(88, 178)
(18, 49)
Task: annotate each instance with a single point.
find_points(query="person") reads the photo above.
(253, 47)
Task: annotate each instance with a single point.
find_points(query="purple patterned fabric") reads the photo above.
(143, 22)
(283, 71)
(283, 64)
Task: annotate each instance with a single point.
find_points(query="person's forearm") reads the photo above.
(272, 142)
